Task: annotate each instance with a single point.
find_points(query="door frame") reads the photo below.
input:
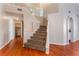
(70, 22)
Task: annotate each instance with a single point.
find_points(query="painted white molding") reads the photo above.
(47, 50)
(62, 44)
(5, 44)
(47, 41)
(74, 40)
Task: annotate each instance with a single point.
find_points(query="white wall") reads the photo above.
(76, 29)
(1, 32)
(57, 24)
(77, 14)
(1, 27)
(55, 29)
(73, 14)
(4, 26)
(11, 28)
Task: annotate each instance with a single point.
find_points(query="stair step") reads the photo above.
(37, 42)
(43, 27)
(38, 47)
(41, 31)
(40, 37)
(40, 34)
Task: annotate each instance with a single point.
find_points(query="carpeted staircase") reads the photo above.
(38, 40)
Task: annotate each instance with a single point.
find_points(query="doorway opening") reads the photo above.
(70, 29)
(18, 28)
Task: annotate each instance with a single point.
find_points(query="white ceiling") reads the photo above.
(49, 8)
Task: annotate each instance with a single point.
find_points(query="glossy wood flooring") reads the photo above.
(14, 48)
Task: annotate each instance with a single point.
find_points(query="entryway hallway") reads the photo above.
(15, 48)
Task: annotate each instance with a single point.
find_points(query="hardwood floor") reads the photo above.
(69, 50)
(14, 48)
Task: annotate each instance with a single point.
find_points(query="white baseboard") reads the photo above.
(5, 44)
(62, 44)
(75, 40)
(66, 43)
(47, 51)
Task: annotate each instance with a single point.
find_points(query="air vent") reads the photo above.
(19, 9)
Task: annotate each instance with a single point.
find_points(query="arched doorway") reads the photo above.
(70, 29)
